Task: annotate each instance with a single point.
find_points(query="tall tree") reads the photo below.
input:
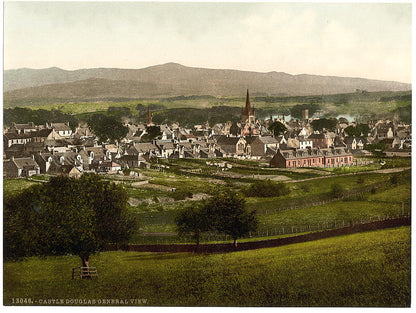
(67, 215)
(277, 128)
(328, 124)
(230, 216)
(152, 133)
(361, 130)
(107, 128)
(193, 220)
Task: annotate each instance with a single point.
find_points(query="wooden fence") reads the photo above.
(84, 272)
(228, 247)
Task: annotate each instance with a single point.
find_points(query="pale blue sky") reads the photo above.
(358, 40)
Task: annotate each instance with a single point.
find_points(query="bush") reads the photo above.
(266, 188)
(305, 188)
(337, 190)
(394, 179)
(181, 195)
(360, 180)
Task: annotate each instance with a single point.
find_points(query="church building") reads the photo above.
(248, 120)
(247, 114)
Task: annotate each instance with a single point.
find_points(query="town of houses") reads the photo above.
(55, 149)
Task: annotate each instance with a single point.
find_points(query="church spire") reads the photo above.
(247, 115)
(248, 105)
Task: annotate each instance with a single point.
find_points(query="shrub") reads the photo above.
(337, 190)
(360, 180)
(394, 179)
(181, 195)
(305, 188)
(266, 188)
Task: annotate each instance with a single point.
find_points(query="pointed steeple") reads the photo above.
(247, 115)
(248, 105)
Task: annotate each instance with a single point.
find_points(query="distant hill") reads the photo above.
(173, 79)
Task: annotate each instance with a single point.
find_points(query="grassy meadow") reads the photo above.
(369, 269)
(300, 211)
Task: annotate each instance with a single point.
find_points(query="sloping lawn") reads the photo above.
(366, 269)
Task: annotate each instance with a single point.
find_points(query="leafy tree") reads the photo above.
(277, 128)
(266, 188)
(67, 215)
(107, 128)
(193, 220)
(361, 130)
(152, 133)
(328, 124)
(230, 216)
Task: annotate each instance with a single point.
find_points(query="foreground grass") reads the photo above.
(367, 269)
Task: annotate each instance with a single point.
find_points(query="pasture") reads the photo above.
(369, 269)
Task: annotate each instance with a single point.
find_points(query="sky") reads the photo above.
(371, 40)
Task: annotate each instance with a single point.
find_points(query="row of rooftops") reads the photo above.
(314, 152)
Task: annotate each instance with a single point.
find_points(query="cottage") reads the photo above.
(321, 140)
(130, 161)
(261, 146)
(10, 139)
(106, 167)
(45, 134)
(23, 128)
(21, 167)
(62, 129)
(232, 146)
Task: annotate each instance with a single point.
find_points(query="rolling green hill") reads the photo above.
(368, 269)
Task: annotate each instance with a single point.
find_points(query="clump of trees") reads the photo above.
(67, 215)
(277, 128)
(107, 128)
(38, 117)
(327, 123)
(225, 213)
(266, 188)
(152, 133)
(361, 130)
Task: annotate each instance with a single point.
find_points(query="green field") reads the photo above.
(366, 269)
(298, 212)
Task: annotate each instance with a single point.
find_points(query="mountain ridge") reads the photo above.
(174, 79)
